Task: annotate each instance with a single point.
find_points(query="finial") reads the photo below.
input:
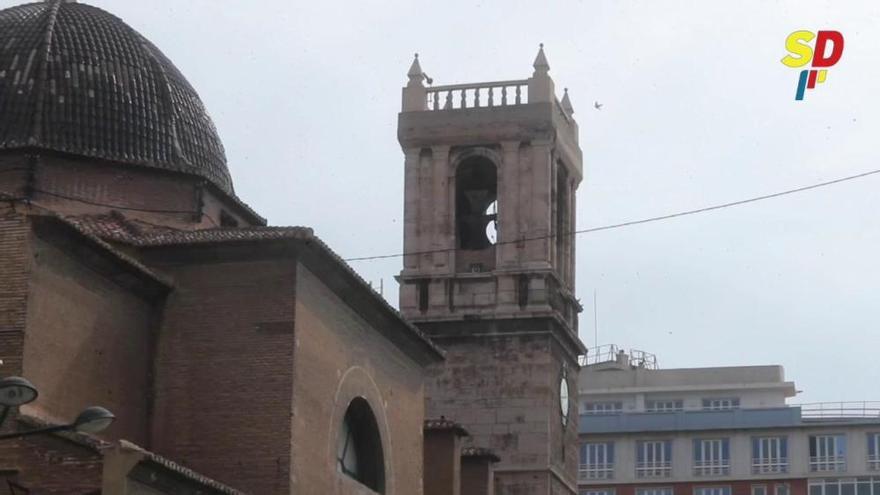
(415, 73)
(566, 103)
(541, 65)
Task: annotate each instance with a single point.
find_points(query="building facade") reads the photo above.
(716, 431)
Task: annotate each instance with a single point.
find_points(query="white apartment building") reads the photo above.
(716, 431)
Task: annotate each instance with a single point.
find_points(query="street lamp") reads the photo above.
(16, 391)
(91, 420)
(94, 419)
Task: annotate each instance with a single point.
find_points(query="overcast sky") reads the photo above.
(698, 110)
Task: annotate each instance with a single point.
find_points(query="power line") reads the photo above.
(641, 221)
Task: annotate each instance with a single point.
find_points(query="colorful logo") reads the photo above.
(801, 54)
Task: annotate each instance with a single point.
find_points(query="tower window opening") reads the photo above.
(563, 222)
(476, 210)
(423, 295)
(359, 449)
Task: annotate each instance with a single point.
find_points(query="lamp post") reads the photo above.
(16, 391)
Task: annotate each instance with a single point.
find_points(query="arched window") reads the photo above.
(476, 192)
(359, 450)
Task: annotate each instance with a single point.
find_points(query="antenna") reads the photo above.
(595, 320)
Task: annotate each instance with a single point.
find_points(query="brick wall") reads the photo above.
(77, 186)
(225, 368)
(50, 465)
(14, 268)
(339, 356)
(89, 341)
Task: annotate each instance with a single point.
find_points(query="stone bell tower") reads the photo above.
(491, 174)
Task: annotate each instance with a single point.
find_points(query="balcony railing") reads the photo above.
(770, 466)
(490, 94)
(874, 462)
(653, 469)
(827, 463)
(595, 472)
(712, 468)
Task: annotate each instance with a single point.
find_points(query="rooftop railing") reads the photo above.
(610, 353)
(840, 410)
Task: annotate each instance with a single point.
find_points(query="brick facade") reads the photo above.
(224, 369)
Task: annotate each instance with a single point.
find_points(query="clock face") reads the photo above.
(563, 399)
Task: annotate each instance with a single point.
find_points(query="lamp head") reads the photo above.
(16, 391)
(93, 420)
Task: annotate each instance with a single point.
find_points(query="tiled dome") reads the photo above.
(76, 79)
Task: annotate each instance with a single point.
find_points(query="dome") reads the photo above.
(78, 80)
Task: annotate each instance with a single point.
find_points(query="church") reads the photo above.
(237, 357)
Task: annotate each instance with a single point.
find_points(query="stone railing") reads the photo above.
(489, 94)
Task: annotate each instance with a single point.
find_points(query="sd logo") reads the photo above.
(801, 53)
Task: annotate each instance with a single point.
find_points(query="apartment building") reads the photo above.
(716, 431)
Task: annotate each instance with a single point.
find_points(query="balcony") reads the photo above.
(874, 462)
(832, 463)
(770, 466)
(587, 472)
(654, 469)
(712, 468)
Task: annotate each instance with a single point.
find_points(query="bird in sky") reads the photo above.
(597, 105)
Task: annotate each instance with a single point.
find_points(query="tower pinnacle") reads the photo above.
(415, 73)
(541, 66)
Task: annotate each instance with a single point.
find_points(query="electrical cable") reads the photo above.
(640, 221)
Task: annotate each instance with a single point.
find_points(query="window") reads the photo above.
(759, 489)
(653, 458)
(654, 491)
(721, 404)
(844, 486)
(656, 406)
(597, 461)
(476, 186)
(783, 489)
(769, 455)
(874, 452)
(712, 490)
(603, 408)
(711, 456)
(827, 453)
(359, 447)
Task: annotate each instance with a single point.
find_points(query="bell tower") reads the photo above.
(491, 171)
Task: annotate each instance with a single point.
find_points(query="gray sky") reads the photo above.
(697, 110)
